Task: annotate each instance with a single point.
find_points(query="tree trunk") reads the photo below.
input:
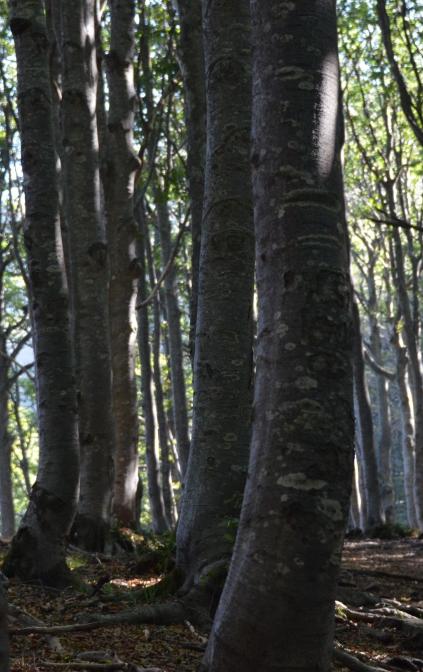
(7, 509)
(407, 432)
(385, 441)
(38, 549)
(89, 270)
(153, 473)
(218, 461)
(277, 609)
(166, 480)
(179, 399)
(123, 263)
(367, 446)
(416, 381)
(191, 61)
(4, 638)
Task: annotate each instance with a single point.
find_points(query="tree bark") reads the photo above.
(158, 519)
(416, 380)
(276, 610)
(123, 263)
(7, 509)
(223, 348)
(385, 441)
(89, 270)
(168, 500)
(191, 61)
(367, 444)
(179, 400)
(38, 549)
(407, 430)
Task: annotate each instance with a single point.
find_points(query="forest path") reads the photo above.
(379, 615)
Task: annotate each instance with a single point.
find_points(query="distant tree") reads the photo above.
(277, 608)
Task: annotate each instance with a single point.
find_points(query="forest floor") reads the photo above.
(379, 615)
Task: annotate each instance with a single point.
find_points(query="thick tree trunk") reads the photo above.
(38, 549)
(218, 461)
(153, 472)
(123, 264)
(4, 638)
(89, 270)
(365, 421)
(191, 60)
(276, 611)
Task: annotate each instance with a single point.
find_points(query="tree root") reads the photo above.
(354, 663)
(22, 616)
(171, 613)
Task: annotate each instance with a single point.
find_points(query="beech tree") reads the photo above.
(89, 271)
(122, 164)
(38, 549)
(276, 610)
(223, 344)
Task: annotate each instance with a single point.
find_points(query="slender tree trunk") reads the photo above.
(191, 60)
(218, 461)
(7, 509)
(89, 270)
(38, 549)
(416, 381)
(166, 480)
(4, 638)
(385, 441)
(359, 464)
(277, 609)
(173, 315)
(179, 402)
(153, 472)
(368, 451)
(123, 264)
(407, 431)
(355, 508)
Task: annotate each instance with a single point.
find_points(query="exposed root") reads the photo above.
(354, 663)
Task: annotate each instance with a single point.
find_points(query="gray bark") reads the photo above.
(407, 430)
(89, 271)
(218, 461)
(415, 375)
(123, 263)
(7, 509)
(158, 518)
(365, 421)
(168, 500)
(179, 400)
(191, 61)
(385, 442)
(276, 610)
(38, 549)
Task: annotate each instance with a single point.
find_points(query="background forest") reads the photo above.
(183, 200)
(382, 93)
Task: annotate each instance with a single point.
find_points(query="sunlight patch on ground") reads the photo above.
(137, 582)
